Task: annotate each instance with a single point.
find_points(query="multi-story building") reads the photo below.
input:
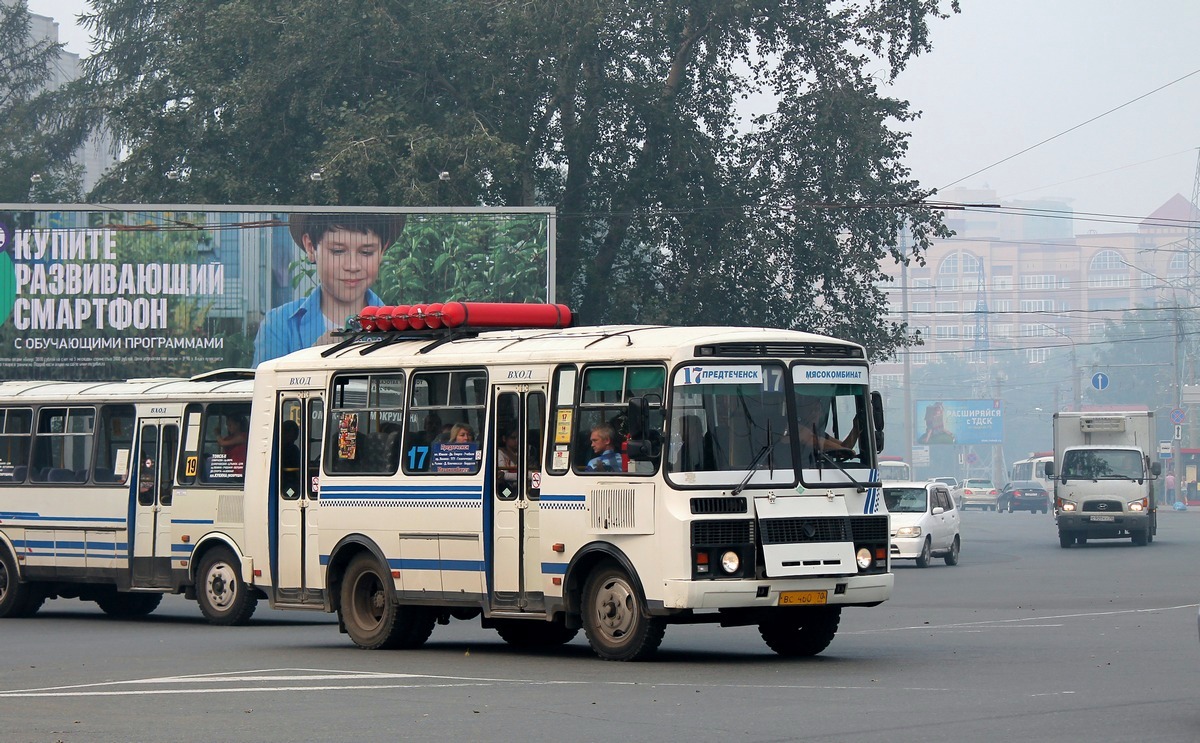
(96, 155)
(1013, 283)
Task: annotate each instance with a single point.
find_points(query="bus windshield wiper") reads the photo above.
(767, 447)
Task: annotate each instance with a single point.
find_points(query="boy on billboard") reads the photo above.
(347, 250)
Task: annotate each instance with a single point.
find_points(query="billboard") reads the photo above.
(96, 293)
(959, 422)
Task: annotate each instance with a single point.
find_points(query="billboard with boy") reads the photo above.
(131, 291)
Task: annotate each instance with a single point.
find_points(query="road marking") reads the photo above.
(992, 623)
(216, 683)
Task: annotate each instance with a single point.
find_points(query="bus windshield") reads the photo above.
(755, 422)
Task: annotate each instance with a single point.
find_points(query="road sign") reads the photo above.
(1164, 448)
(1100, 381)
(1177, 416)
(1178, 432)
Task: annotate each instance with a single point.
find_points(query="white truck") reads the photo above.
(1103, 478)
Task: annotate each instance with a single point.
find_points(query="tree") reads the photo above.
(625, 116)
(37, 136)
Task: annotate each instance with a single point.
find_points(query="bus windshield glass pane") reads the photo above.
(727, 420)
(831, 423)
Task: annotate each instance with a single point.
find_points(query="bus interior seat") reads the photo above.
(60, 474)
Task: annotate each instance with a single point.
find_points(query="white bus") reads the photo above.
(715, 513)
(894, 469)
(119, 492)
(1034, 468)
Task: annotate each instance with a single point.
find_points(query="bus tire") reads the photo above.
(117, 604)
(614, 617)
(1141, 537)
(801, 633)
(1065, 539)
(532, 633)
(17, 599)
(225, 599)
(370, 614)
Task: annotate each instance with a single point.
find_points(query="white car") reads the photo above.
(924, 522)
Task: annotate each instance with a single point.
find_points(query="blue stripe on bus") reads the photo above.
(554, 568)
(33, 516)
(192, 521)
(187, 548)
(563, 499)
(471, 566)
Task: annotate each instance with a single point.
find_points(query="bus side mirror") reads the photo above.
(1156, 468)
(1050, 469)
(877, 418)
(642, 444)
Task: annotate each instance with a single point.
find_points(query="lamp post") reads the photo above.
(1074, 365)
(1177, 443)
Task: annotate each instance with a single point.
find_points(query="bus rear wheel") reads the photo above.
(17, 599)
(372, 617)
(117, 604)
(614, 616)
(224, 599)
(801, 633)
(532, 633)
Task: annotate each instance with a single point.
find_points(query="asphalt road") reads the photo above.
(1021, 641)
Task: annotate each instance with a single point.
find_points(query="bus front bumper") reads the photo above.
(865, 590)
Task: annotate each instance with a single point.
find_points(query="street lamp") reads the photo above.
(1177, 442)
(1074, 365)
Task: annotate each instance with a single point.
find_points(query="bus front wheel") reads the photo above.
(224, 598)
(614, 617)
(801, 633)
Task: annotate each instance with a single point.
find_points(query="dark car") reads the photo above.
(1023, 495)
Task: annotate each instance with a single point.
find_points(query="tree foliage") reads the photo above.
(627, 117)
(37, 134)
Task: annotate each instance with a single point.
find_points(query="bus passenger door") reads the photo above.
(295, 473)
(518, 437)
(153, 490)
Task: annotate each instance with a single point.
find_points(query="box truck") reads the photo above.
(1103, 477)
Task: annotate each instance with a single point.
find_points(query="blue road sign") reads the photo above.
(1177, 416)
(1100, 381)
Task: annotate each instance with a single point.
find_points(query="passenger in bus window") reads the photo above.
(289, 458)
(347, 251)
(461, 433)
(607, 458)
(510, 450)
(233, 443)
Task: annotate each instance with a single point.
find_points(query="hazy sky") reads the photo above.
(1005, 75)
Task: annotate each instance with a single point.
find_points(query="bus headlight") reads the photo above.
(908, 531)
(864, 558)
(1066, 505)
(730, 562)
(1138, 505)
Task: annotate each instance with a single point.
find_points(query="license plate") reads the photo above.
(1104, 518)
(802, 598)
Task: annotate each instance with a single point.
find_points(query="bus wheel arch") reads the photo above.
(608, 597)
(586, 560)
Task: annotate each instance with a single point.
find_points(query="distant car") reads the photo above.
(978, 493)
(949, 482)
(1024, 495)
(924, 521)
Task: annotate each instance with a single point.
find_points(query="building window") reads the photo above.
(1037, 305)
(1002, 330)
(920, 357)
(1106, 260)
(946, 331)
(1002, 283)
(922, 306)
(947, 306)
(1002, 305)
(1039, 281)
(1108, 281)
(925, 283)
(1037, 355)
